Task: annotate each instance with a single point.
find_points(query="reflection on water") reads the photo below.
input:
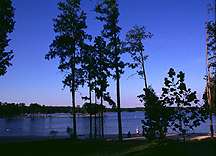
(58, 123)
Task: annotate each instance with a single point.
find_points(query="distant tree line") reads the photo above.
(19, 109)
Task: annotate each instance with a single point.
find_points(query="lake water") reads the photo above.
(42, 126)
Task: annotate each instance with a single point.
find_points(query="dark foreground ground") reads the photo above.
(109, 148)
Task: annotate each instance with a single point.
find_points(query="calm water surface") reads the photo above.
(42, 126)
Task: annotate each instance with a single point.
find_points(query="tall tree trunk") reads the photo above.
(210, 102)
(90, 117)
(180, 120)
(102, 117)
(144, 72)
(118, 104)
(211, 123)
(99, 124)
(144, 77)
(95, 125)
(95, 119)
(73, 100)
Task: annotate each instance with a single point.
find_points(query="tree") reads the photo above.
(211, 77)
(185, 105)
(108, 13)
(156, 115)
(134, 45)
(6, 26)
(102, 73)
(88, 66)
(93, 109)
(68, 45)
(96, 66)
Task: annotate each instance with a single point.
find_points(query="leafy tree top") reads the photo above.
(69, 42)
(135, 46)
(92, 108)
(108, 13)
(187, 113)
(156, 115)
(211, 39)
(6, 26)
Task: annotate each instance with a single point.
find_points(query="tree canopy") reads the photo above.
(6, 27)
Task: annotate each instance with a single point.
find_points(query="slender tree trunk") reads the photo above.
(95, 126)
(73, 100)
(102, 117)
(144, 72)
(90, 124)
(90, 117)
(95, 119)
(118, 104)
(99, 124)
(211, 123)
(117, 74)
(180, 121)
(144, 77)
(210, 102)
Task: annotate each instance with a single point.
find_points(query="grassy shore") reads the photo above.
(109, 148)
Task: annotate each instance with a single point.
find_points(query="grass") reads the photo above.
(109, 148)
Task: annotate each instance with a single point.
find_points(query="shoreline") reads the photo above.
(108, 137)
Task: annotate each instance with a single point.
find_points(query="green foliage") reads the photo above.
(211, 40)
(69, 42)
(156, 115)
(107, 98)
(204, 110)
(134, 45)
(102, 66)
(109, 13)
(93, 108)
(20, 109)
(95, 65)
(6, 26)
(12, 109)
(186, 113)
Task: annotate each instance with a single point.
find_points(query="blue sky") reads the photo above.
(179, 42)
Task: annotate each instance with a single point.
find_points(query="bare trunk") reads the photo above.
(210, 102)
(102, 117)
(95, 119)
(211, 123)
(144, 72)
(73, 100)
(95, 126)
(118, 104)
(90, 117)
(99, 124)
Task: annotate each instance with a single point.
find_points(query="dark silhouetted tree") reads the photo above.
(93, 109)
(108, 13)
(68, 45)
(156, 115)
(96, 66)
(102, 73)
(186, 113)
(6, 26)
(88, 66)
(211, 79)
(134, 45)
